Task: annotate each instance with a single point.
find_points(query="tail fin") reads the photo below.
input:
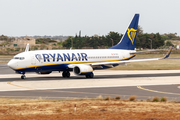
(129, 39)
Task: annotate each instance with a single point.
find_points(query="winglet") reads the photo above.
(27, 48)
(168, 53)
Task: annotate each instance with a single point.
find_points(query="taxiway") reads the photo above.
(144, 84)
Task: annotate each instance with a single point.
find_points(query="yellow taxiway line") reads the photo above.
(157, 91)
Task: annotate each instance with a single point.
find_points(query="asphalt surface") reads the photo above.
(142, 92)
(171, 91)
(4, 69)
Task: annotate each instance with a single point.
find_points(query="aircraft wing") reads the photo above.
(135, 52)
(137, 60)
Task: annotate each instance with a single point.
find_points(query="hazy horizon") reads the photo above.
(67, 18)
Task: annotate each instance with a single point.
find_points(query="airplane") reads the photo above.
(80, 61)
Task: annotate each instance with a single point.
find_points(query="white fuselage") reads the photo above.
(51, 58)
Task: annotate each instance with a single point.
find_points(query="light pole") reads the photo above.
(112, 41)
(151, 43)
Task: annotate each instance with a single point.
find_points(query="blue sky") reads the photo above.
(67, 17)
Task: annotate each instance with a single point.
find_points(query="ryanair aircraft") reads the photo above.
(81, 62)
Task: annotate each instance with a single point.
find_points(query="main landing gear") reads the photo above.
(90, 75)
(66, 74)
(23, 76)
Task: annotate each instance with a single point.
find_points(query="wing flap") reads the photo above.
(136, 52)
(124, 61)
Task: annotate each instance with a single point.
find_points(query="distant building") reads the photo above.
(21, 42)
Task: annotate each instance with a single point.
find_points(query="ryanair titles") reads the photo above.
(56, 57)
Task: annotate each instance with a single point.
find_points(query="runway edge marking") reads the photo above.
(157, 91)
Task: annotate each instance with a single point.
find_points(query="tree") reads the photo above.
(68, 43)
(169, 43)
(113, 37)
(44, 40)
(139, 30)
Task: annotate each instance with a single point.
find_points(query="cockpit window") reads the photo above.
(19, 58)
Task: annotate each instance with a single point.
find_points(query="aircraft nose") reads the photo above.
(10, 64)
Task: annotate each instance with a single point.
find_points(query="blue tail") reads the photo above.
(129, 39)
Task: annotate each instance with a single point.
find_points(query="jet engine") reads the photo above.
(83, 69)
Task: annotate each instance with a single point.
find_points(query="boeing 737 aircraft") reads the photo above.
(81, 62)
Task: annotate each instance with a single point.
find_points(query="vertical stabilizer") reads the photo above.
(129, 39)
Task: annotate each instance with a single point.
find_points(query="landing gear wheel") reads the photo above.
(87, 76)
(90, 75)
(66, 74)
(23, 77)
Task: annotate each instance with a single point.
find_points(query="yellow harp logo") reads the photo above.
(131, 34)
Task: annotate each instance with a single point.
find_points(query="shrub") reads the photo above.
(107, 98)
(99, 97)
(17, 49)
(164, 99)
(169, 43)
(9, 49)
(35, 48)
(118, 97)
(155, 99)
(4, 43)
(59, 110)
(132, 98)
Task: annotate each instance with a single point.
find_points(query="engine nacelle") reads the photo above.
(44, 72)
(82, 69)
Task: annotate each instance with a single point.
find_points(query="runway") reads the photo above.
(170, 91)
(144, 84)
